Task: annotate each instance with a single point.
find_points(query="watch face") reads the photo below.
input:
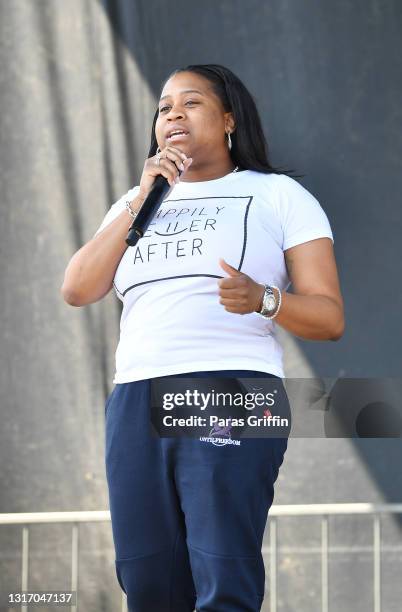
(270, 302)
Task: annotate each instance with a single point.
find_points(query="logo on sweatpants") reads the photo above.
(220, 436)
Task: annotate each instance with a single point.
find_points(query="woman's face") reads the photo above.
(200, 114)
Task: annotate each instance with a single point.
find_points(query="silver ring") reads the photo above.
(158, 156)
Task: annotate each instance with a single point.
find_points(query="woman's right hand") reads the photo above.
(173, 163)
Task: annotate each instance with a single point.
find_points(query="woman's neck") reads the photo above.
(209, 173)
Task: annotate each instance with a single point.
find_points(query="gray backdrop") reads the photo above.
(79, 85)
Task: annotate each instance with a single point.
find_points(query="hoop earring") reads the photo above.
(158, 150)
(229, 141)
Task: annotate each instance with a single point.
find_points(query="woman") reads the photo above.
(201, 293)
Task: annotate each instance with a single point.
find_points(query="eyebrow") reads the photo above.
(183, 91)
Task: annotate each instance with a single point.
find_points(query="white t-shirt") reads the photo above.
(172, 321)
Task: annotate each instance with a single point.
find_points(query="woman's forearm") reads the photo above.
(311, 317)
(90, 272)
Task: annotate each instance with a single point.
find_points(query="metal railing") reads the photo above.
(29, 518)
(324, 510)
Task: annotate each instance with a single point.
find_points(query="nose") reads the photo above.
(175, 111)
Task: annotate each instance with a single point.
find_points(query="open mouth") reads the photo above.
(177, 135)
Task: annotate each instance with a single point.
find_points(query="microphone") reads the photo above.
(148, 209)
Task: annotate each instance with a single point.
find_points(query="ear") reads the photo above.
(230, 125)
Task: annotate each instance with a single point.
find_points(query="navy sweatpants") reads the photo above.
(188, 517)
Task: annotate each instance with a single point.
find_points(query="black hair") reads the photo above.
(249, 146)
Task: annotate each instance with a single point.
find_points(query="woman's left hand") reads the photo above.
(239, 293)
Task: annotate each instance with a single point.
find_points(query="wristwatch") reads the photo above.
(269, 302)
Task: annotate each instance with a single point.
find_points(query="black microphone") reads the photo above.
(148, 209)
